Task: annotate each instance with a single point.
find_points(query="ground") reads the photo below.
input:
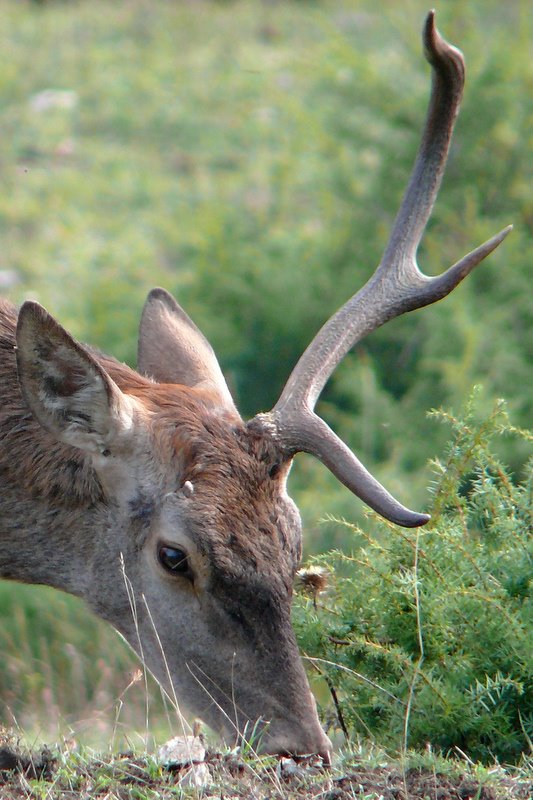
(48, 775)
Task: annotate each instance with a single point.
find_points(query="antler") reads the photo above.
(396, 286)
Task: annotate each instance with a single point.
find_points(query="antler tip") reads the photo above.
(491, 244)
(429, 23)
(408, 519)
(430, 33)
(421, 519)
(442, 285)
(497, 239)
(440, 53)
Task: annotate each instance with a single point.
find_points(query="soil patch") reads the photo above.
(129, 776)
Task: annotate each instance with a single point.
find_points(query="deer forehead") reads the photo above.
(201, 442)
(238, 511)
(248, 533)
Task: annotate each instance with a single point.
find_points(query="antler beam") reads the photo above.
(397, 286)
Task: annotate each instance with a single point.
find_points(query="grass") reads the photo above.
(241, 154)
(67, 674)
(356, 773)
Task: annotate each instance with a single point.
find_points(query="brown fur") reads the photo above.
(42, 467)
(90, 491)
(234, 468)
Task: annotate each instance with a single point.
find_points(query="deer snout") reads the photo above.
(295, 739)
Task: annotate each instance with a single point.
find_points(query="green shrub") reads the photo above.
(427, 635)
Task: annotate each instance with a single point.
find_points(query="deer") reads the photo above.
(145, 494)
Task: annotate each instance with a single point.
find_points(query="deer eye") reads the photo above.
(174, 560)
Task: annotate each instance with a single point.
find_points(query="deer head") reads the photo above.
(168, 513)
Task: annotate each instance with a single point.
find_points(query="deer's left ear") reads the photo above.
(173, 350)
(66, 389)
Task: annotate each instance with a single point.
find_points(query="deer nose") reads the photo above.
(284, 738)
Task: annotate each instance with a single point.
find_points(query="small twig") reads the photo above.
(337, 708)
(340, 642)
(334, 695)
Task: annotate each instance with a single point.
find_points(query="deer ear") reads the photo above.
(173, 350)
(66, 389)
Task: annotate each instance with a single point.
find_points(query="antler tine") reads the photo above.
(397, 286)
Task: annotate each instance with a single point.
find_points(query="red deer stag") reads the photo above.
(146, 488)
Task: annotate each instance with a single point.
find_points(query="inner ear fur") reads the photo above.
(66, 389)
(172, 349)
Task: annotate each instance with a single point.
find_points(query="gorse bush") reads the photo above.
(427, 635)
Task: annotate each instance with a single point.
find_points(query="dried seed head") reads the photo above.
(136, 676)
(312, 580)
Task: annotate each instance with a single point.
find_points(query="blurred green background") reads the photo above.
(250, 157)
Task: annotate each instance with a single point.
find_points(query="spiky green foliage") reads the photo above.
(427, 636)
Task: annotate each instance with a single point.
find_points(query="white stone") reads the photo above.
(196, 776)
(181, 751)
